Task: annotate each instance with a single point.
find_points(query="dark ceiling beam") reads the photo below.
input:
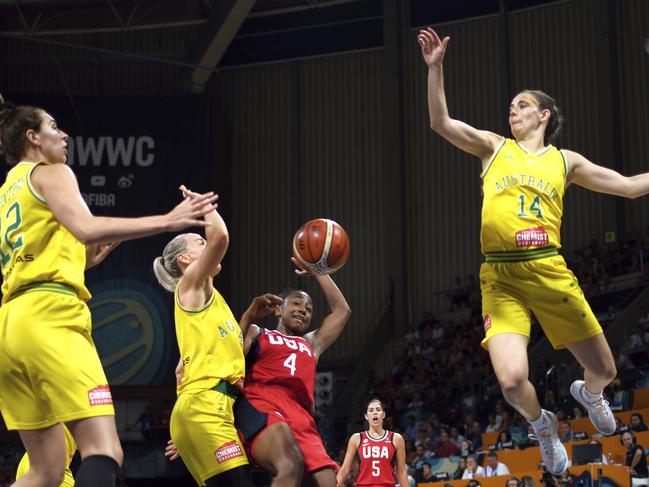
(222, 26)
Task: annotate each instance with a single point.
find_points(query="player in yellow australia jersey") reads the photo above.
(50, 372)
(70, 448)
(211, 350)
(524, 180)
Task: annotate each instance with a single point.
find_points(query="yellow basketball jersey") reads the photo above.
(70, 448)
(34, 246)
(210, 343)
(522, 201)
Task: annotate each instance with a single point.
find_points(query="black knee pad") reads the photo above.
(97, 471)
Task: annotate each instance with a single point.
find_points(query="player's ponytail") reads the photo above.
(15, 121)
(166, 268)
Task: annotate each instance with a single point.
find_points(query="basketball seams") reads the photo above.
(318, 242)
(322, 263)
(298, 256)
(314, 241)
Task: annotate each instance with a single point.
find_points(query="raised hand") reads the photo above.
(190, 211)
(300, 271)
(432, 48)
(263, 305)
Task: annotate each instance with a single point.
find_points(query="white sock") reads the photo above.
(541, 422)
(589, 396)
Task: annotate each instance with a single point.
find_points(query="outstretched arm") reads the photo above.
(585, 173)
(60, 190)
(334, 323)
(400, 467)
(346, 467)
(196, 284)
(479, 143)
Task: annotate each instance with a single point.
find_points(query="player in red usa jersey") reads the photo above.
(381, 453)
(277, 412)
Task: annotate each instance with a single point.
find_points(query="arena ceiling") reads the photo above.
(235, 32)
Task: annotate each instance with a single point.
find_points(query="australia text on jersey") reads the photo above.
(10, 194)
(527, 180)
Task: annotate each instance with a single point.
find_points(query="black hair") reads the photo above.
(287, 293)
(15, 121)
(375, 399)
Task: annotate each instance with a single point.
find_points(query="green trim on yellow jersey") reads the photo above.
(28, 178)
(195, 310)
(521, 255)
(538, 154)
(493, 158)
(565, 163)
(45, 286)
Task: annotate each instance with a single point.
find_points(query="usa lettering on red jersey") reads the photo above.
(377, 457)
(286, 362)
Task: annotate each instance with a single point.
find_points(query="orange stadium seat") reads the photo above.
(641, 398)
(618, 474)
(584, 424)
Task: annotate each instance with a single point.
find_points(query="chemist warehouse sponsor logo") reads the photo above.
(532, 237)
(100, 396)
(107, 151)
(228, 451)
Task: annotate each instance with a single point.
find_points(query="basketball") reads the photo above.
(321, 246)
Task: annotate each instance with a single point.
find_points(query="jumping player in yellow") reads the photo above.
(524, 180)
(50, 372)
(70, 449)
(211, 352)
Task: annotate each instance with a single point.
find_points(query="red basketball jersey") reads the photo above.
(377, 457)
(286, 363)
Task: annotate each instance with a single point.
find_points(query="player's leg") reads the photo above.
(46, 450)
(568, 320)
(319, 468)
(100, 449)
(325, 477)
(239, 476)
(508, 354)
(595, 356)
(507, 330)
(275, 450)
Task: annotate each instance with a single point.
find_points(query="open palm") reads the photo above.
(432, 47)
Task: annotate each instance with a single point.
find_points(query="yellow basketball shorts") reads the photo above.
(511, 291)
(202, 427)
(49, 368)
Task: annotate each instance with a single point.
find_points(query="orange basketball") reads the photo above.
(321, 246)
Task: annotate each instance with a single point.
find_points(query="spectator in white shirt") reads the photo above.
(493, 425)
(494, 467)
(473, 470)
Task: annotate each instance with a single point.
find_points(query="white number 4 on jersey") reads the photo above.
(290, 363)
